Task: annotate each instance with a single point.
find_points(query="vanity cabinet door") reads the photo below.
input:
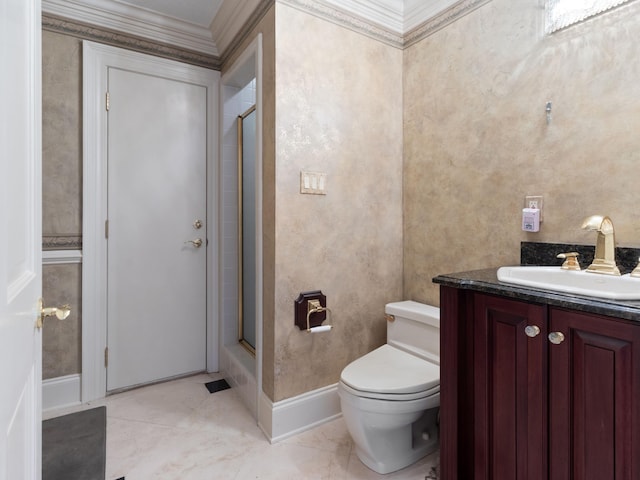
(510, 389)
(594, 413)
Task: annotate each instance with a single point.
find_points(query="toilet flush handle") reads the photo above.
(390, 318)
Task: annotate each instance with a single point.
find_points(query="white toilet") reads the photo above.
(390, 397)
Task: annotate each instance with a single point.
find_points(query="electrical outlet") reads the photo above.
(534, 201)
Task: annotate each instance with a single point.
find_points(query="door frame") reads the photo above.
(97, 59)
(248, 65)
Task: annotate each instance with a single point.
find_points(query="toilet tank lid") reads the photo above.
(417, 311)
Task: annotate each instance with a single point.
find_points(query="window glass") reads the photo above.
(562, 13)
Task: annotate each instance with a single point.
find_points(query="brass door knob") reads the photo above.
(60, 313)
(196, 243)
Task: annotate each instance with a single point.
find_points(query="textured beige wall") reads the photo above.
(61, 339)
(476, 139)
(62, 195)
(338, 111)
(61, 135)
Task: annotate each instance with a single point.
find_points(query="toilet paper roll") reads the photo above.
(320, 329)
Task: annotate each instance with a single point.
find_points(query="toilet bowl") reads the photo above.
(390, 397)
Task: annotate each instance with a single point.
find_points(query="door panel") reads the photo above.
(20, 240)
(594, 375)
(157, 150)
(509, 389)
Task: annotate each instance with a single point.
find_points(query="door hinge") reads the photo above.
(107, 103)
(106, 229)
(106, 357)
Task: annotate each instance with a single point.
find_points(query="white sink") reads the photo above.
(572, 281)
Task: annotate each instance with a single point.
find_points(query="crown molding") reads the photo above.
(395, 22)
(326, 10)
(230, 20)
(139, 22)
(85, 31)
(388, 14)
(441, 20)
(399, 23)
(239, 36)
(418, 12)
(398, 16)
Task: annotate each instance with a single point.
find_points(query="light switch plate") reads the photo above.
(314, 183)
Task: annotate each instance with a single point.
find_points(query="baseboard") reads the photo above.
(61, 392)
(289, 417)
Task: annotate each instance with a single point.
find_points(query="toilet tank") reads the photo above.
(415, 329)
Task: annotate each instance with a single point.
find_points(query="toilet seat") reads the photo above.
(388, 373)
(394, 397)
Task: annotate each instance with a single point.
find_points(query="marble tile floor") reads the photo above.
(179, 431)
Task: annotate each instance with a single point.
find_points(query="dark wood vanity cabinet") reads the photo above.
(515, 405)
(509, 389)
(594, 397)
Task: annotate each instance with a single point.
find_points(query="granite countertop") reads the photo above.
(486, 281)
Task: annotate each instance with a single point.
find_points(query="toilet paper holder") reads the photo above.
(310, 311)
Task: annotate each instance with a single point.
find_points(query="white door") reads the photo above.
(157, 228)
(20, 240)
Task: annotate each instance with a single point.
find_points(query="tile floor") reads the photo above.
(179, 431)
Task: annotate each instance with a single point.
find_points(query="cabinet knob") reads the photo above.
(556, 338)
(532, 330)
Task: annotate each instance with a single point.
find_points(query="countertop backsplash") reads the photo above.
(537, 253)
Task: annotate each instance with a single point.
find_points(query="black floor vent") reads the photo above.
(217, 386)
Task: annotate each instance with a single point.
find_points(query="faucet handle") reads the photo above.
(571, 261)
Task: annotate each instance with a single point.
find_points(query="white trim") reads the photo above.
(441, 20)
(395, 15)
(389, 21)
(249, 63)
(230, 19)
(61, 392)
(417, 12)
(338, 15)
(213, 225)
(94, 302)
(289, 417)
(257, 46)
(135, 21)
(61, 257)
(386, 13)
(386, 20)
(97, 59)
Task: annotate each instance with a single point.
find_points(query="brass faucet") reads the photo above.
(636, 271)
(604, 260)
(571, 261)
